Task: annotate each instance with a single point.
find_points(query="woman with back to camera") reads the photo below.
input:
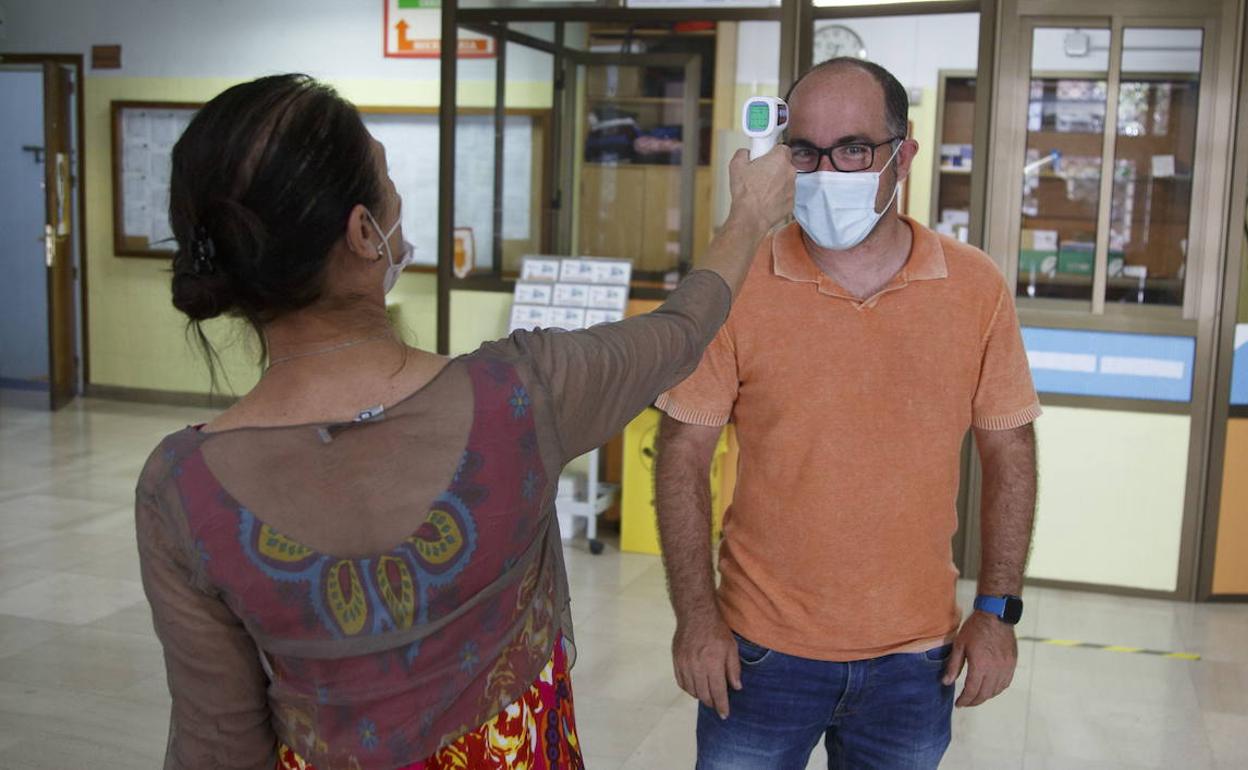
(357, 565)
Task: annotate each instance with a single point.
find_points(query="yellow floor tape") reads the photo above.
(1109, 647)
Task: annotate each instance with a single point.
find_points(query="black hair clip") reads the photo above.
(203, 253)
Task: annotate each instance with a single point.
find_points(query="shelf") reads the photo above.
(643, 100)
(955, 171)
(1118, 282)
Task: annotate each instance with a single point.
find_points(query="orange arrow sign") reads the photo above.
(405, 44)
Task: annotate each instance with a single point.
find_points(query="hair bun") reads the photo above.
(200, 294)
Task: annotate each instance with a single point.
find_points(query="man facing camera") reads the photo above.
(862, 349)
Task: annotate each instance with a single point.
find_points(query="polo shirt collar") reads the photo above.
(791, 261)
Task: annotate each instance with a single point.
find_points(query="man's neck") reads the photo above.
(868, 267)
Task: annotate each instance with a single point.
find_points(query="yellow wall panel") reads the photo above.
(1112, 487)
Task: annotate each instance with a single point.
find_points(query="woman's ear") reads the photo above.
(362, 238)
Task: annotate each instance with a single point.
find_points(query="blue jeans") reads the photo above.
(887, 713)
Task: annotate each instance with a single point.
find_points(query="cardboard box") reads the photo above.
(611, 81)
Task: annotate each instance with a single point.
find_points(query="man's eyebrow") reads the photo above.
(850, 139)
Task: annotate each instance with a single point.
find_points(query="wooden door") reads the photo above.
(58, 88)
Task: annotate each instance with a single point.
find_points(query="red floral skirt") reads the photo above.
(536, 732)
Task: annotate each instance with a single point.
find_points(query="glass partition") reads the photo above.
(1155, 150)
(1062, 169)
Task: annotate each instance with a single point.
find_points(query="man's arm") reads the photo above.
(987, 645)
(704, 652)
(1009, 507)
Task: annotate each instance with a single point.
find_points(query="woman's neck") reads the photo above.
(308, 332)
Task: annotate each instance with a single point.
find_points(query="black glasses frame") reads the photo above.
(826, 152)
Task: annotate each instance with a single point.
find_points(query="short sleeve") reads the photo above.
(220, 713)
(708, 395)
(1005, 397)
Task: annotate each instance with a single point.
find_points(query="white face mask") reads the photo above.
(393, 269)
(837, 209)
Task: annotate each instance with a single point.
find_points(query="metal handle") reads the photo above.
(49, 245)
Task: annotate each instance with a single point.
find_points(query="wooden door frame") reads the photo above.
(80, 193)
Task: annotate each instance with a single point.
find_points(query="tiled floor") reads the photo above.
(82, 684)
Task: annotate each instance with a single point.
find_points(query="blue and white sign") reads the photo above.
(1239, 367)
(1111, 364)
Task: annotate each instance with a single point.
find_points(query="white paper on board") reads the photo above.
(570, 318)
(136, 159)
(608, 297)
(534, 293)
(571, 295)
(167, 128)
(529, 317)
(161, 231)
(576, 271)
(161, 167)
(135, 125)
(535, 269)
(138, 220)
(595, 317)
(613, 271)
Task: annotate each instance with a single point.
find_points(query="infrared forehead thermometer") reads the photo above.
(762, 119)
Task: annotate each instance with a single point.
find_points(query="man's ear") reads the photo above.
(905, 158)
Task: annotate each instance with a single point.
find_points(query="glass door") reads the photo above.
(1109, 166)
(643, 153)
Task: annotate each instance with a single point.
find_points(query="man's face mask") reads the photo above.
(393, 269)
(836, 209)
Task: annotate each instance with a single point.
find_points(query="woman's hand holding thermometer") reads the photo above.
(763, 119)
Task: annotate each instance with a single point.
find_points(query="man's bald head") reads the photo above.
(896, 102)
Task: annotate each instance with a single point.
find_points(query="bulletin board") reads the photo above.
(144, 134)
(143, 137)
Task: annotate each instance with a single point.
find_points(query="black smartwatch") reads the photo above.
(1006, 607)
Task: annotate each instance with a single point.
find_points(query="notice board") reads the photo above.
(144, 134)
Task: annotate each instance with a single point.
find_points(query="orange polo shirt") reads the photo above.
(850, 417)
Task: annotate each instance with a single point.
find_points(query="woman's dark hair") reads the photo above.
(263, 181)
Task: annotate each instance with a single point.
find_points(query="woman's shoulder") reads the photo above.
(167, 457)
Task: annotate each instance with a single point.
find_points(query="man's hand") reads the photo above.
(990, 651)
(706, 659)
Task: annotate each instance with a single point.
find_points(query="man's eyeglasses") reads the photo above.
(851, 157)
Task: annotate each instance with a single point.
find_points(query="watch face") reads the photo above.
(1013, 610)
(837, 40)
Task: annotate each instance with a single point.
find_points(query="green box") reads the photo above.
(1031, 260)
(1076, 259)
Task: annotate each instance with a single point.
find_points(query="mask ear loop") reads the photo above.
(897, 187)
(385, 238)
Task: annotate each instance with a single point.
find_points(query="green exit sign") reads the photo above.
(404, 4)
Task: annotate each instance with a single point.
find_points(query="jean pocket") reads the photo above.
(751, 654)
(938, 655)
